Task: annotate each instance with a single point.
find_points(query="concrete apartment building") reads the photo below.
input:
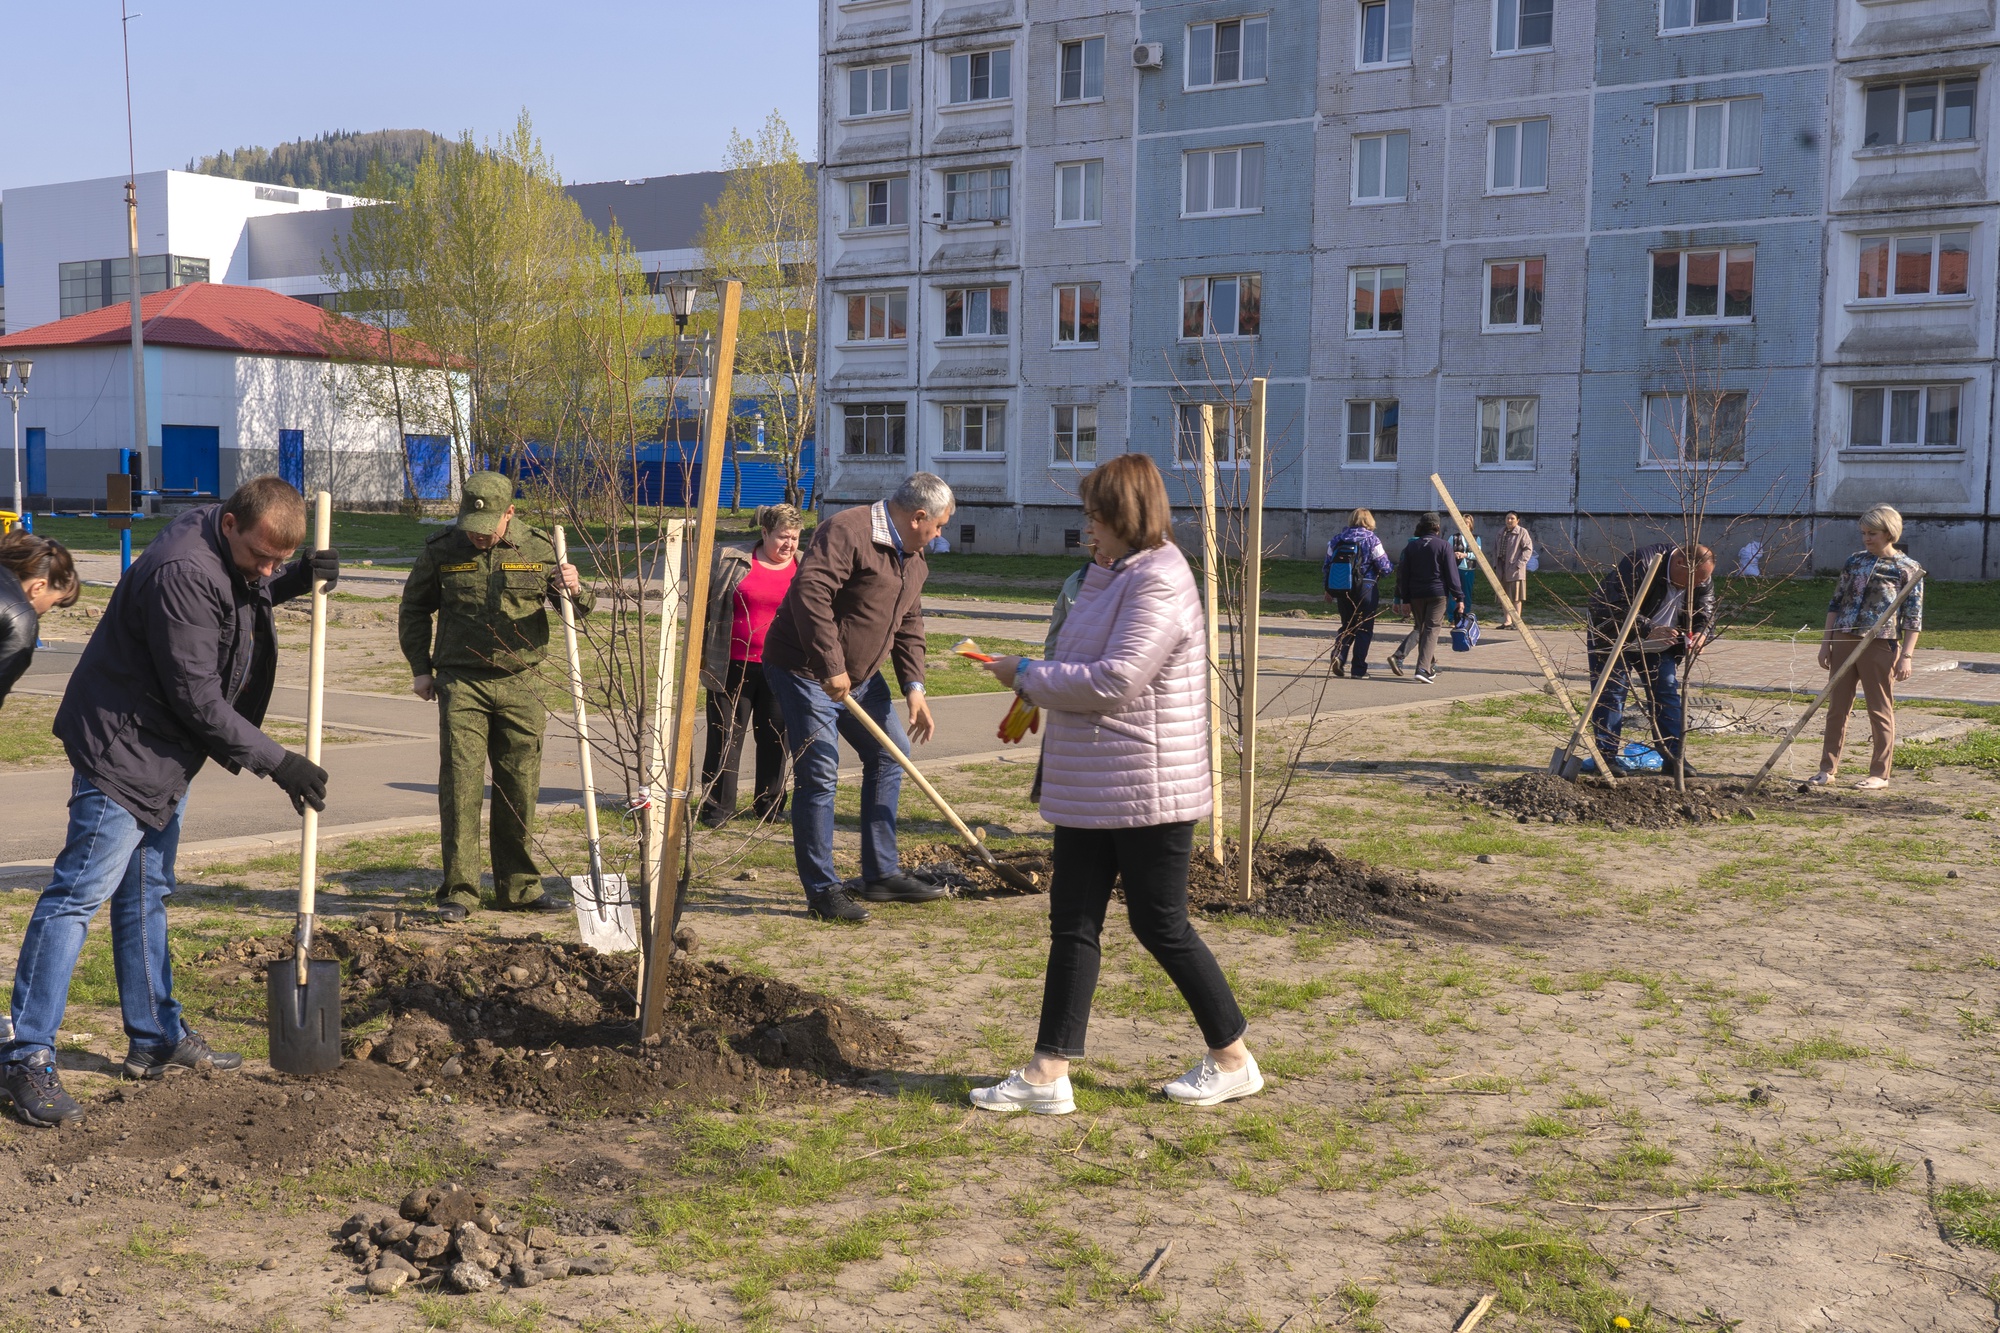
(1570, 256)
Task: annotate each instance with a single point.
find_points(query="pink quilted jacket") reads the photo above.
(1126, 744)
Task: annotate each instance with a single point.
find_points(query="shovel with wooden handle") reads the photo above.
(1567, 763)
(302, 997)
(603, 903)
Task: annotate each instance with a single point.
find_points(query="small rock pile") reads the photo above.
(454, 1237)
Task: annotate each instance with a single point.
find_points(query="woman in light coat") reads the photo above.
(1124, 778)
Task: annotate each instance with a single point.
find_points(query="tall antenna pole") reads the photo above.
(132, 228)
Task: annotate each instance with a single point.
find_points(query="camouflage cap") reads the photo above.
(484, 501)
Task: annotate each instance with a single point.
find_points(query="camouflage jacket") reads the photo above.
(491, 607)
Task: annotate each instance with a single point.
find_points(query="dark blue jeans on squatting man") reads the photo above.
(811, 722)
(1358, 608)
(1661, 673)
(107, 856)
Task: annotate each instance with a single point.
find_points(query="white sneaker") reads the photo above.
(1207, 1084)
(1015, 1093)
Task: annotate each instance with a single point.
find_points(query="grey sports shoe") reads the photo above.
(191, 1053)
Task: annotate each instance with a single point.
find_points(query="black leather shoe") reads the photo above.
(835, 905)
(901, 888)
(192, 1053)
(37, 1091)
(545, 904)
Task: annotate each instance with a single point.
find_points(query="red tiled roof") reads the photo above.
(251, 320)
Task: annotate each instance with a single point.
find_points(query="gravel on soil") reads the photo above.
(1652, 802)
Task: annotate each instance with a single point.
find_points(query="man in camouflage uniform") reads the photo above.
(488, 581)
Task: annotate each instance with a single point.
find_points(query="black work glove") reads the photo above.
(325, 565)
(302, 780)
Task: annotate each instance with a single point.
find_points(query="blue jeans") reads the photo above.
(1468, 581)
(811, 722)
(1662, 675)
(107, 856)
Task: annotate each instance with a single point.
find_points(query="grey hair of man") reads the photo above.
(926, 492)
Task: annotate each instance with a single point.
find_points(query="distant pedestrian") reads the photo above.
(1517, 552)
(36, 576)
(745, 589)
(1427, 588)
(1355, 562)
(1868, 583)
(1676, 619)
(1462, 548)
(1750, 560)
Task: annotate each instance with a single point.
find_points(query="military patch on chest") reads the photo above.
(468, 567)
(534, 568)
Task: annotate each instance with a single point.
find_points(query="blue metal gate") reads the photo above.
(191, 459)
(37, 479)
(292, 458)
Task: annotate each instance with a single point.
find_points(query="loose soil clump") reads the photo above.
(1652, 802)
(456, 1238)
(1314, 885)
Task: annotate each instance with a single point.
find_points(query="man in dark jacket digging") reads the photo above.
(178, 672)
(1676, 619)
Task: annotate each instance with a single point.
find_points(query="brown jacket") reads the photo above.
(853, 603)
(1516, 546)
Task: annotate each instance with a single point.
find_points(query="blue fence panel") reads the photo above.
(38, 460)
(191, 459)
(292, 458)
(430, 466)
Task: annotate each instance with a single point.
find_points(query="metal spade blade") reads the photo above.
(304, 1020)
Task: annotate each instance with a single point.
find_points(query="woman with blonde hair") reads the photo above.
(36, 576)
(743, 596)
(1868, 584)
(1355, 559)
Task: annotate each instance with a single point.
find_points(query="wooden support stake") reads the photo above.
(580, 716)
(1253, 587)
(1211, 551)
(1611, 662)
(672, 803)
(653, 773)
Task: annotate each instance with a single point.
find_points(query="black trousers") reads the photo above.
(1358, 608)
(744, 704)
(1152, 863)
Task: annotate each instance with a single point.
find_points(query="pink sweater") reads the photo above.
(1127, 698)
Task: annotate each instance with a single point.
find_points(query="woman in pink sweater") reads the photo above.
(1124, 778)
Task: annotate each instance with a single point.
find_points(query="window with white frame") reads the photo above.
(1694, 15)
(874, 430)
(1507, 431)
(1386, 26)
(878, 90)
(1523, 25)
(1920, 111)
(978, 196)
(981, 76)
(1230, 422)
(1222, 55)
(878, 316)
(1080, 71)
(1514, 295)
(1903, 416)
(1382, 168)
(1375, 298)
(1230, 306)
(1076, 314)
(1079, 193)
(1075, 434)
(1702, 286)
(1914, 266)
(1371, 430)
(878, 203)
(974, 428)
(1518, 156)
(1223, 180)
(1721, 138)
(1702, 429)
(975, 312)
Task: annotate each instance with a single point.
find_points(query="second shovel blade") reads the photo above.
(304, 1020)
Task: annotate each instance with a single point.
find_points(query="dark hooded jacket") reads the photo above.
(1613, 599)
(20, 627)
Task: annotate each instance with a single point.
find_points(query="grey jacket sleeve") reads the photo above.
(184, 629)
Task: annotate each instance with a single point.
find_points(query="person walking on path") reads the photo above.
(1868, 583)
(1664, 638)
(474, 626)
(1468, 566)
(1517, 548)
(36, 576)
(1125, 779)
(1356, 546)
(744, 593)
(1427, 588)
(178, 672)
(855, 602)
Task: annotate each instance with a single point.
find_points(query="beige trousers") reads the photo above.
(1875, 671)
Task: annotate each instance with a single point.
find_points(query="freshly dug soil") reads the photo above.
(1314, 886)
(1652, 802)
(964, 876)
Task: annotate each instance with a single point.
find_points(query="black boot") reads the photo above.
(37, 1091)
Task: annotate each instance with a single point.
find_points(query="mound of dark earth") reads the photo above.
(1316, 886)
(1652, 803)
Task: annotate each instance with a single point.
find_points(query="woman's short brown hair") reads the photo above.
(771, 518)
(1128, 495)
(27, 557)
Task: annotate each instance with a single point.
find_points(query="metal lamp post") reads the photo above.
(14, 384)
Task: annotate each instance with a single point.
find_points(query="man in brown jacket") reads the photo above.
(854, 603)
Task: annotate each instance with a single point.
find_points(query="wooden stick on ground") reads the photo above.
(1617, 650)
(1153, 1267)
(1474, 1315)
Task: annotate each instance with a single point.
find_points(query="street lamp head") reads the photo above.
(21, 369)
(680, 302)
(6, 372)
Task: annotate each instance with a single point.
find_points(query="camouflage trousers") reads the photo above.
(496, 718)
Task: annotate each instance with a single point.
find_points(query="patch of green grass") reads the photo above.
(1866, 1166)
(1537, 1272)
(1979, 748)
(1358, 1305)
(1801, 1056)
(439, 1312)
(25, 738)
(1970, 1214)
(1544, 1126)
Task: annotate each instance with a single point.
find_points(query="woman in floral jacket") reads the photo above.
(1868, 584)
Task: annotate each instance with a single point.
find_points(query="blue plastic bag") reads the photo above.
(1636, 757)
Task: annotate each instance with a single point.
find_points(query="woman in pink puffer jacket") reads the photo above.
(1124, 778)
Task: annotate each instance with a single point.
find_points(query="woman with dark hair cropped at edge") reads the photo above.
(36, 576)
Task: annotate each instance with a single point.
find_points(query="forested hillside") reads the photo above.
(336, 161)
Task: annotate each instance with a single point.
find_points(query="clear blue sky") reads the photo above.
(617, 88)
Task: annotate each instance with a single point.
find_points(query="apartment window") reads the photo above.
(1702, 429)
(981, 76)
(1376, 298)
(1221, 55)
(1222, 307)
(1507, 431)
(1524, 25)
(977, 196)
(1382, 168)
(1924, 264)
(1708, 138)
(1079, 193)
(1081, 71)
(1518, 160)
(1385, 32)
(878, 316)
(1076, 314)
(1926, 111)
(1223, 180)
(1693, 15)
(1701, 286)
(1075, 434)
(879, 89)
(874, 430)
(974, 428)
(1920, 416)
(92, 284)
(878, 203)
(975, 312)
(1371, 430)
(1232, 432)
(1514, 295)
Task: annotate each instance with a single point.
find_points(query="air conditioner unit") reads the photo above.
(1149, 55)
